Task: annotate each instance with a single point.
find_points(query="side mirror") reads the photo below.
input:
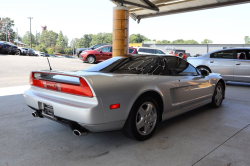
(204, 73)
(100, 51)
(92, 48)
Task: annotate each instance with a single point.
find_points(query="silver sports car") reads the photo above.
(233, 64)
(130, 93)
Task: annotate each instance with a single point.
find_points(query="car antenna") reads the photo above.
(49, 64)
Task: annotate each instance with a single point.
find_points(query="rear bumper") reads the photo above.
(86, 111)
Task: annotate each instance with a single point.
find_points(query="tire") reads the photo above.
(91, 59)
(18, 53)
(180, 54)
(218, 95)
(142, 123)
(204, 68)
(1, 51)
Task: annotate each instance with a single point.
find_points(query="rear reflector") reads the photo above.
(82, 89)
(114, 106)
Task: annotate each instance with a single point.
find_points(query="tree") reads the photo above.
(81, 43)
(178, 41)
(190, 42)
(67, 50)
(60, 40)
(247, 40)
(88, 38)
(50, 50)
(137, 38)
(101, 38)
(10, 24)
(48, 38)
(206, 41)
(165, 42)
(26, 38)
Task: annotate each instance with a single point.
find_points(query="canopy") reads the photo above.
(140, 9)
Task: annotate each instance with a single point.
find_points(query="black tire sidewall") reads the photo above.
(213, 100)
(133, 114)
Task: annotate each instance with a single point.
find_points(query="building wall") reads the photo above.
(193, 49)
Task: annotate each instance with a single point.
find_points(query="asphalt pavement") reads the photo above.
(202, 137)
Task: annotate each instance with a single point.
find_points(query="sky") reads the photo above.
(227, 25)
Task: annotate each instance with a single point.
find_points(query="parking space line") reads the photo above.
(13, 90)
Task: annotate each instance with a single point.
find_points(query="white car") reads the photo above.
(150, 51)
(22, 50)
(41, 54)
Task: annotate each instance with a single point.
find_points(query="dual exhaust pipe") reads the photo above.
(77, 132)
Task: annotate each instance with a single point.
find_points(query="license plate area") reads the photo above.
(48, 109)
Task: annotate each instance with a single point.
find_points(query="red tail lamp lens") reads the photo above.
(114, 106)
(83, 89)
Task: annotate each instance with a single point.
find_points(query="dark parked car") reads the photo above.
(80, 50)
(14, 49)
(31, 52)
(69, 56)
(53, 55)
(5, 48)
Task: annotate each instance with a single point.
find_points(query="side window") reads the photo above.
(105, 49)
(142, 50)
(243, 54)
(96, 46)
(159, 52)
(151, 51)
(178, 66)
(222, 54)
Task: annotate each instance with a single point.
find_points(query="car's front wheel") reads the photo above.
(142, 120)
(218, 95)
(91, 59)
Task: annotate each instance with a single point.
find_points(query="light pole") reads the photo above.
(30, 32)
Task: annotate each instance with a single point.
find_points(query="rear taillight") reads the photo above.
(83, 89)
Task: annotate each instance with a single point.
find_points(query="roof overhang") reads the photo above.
(140, 9)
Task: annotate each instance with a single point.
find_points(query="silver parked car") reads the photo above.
(233, 64)
(133, 94)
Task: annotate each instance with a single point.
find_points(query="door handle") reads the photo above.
(211, 61)
(238, 63)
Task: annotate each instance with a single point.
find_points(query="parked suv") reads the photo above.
(5, 47)
(80, 50)
(101, 54)
(22, 50)
(14, 49)
(180, 53)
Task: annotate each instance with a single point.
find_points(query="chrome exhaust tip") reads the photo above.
(79, 133)
(34, 114)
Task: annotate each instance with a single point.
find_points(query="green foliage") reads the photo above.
(81, 43)
(10, 24)
(137, 38)
(26, 38)
(101, 38)
(42, 48)
(165, 42)
(73, 43)
(87, 38)
(181, 41)
(50, 50)
(62, 41)
(178, 41)
(206, 41)
(67, 50)
(247, 40)
(48, 38)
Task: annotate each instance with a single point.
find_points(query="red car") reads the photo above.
(101, 54)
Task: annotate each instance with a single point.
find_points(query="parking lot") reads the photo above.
(203, 137)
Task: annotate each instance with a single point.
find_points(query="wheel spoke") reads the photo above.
(140, 124)
(149, 108)
(141, 111)
(146, 128)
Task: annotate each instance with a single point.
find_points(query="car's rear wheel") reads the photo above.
(91, 59)
(204, 68)
(18, 53)
(142, 120)
(218, 95)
